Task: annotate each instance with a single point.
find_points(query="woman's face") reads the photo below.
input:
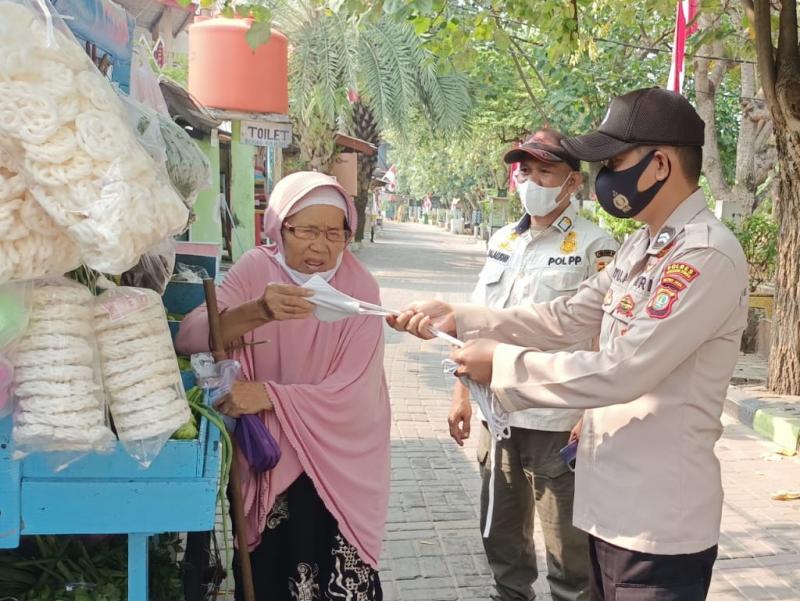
(306, 238)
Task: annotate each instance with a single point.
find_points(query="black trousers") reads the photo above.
(623, 575)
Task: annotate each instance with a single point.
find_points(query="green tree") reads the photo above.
(380, 61)
(779, 71)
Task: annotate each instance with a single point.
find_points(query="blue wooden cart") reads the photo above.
(112, 493)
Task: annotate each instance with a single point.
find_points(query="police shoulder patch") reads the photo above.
(682, 270)
(660, 305)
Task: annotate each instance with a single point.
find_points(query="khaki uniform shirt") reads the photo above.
(670, 313)
(524, 266)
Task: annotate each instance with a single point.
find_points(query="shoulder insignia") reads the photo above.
(696, 235)
(564, 224)
(606, 252)
(682, 270)
(664, 237)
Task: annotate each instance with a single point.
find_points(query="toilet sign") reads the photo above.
(266, 133)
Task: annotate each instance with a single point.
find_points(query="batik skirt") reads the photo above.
(304, 557)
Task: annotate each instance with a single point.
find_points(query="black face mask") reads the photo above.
(617, 193)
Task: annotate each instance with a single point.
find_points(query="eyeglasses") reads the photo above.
(313, 233)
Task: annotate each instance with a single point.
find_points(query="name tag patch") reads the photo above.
(573, 260)
(498, 255)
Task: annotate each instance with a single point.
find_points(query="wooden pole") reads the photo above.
(235, 481)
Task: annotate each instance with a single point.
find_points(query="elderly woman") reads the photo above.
(317, 519)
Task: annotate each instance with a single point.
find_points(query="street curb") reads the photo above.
(774, 417)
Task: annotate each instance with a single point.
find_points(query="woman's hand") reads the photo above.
(246, 398)
(420, 316)
(284, 301)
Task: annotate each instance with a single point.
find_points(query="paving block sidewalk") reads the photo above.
(433, 549)
(775, 417)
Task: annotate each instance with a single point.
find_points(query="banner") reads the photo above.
(105, 30)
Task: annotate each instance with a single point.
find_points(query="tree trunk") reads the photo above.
(364, 126)
(784, 358)
(708, 76)
(753, 157)
(779, 69)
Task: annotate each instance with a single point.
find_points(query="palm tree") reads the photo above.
(384, 62)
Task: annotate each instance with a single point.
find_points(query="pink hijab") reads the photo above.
(332, 414)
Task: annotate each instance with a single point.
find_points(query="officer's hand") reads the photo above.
(575, 434)
(419, 316)
(475, 360)
(460, 415)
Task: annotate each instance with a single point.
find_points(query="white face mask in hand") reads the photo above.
(497, 418)
(331, 305)
(538, 200)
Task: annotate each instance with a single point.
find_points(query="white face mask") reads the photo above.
(538, 200)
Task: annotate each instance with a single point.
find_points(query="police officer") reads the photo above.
(546, 255)
(670, 310)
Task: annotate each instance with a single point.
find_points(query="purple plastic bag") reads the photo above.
(257, 444)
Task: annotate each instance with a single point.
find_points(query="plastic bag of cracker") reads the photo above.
(154, 269)
(32, 245)
(141, 377)
(76, 149)
(168, 144)
(56, 382)
(14, 316)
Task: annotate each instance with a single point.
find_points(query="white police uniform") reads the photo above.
(524, 266)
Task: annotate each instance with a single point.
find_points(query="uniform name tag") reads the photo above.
(573, 260)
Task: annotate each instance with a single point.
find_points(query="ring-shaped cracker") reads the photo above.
(54, 373)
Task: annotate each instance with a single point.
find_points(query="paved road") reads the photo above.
(433, 549)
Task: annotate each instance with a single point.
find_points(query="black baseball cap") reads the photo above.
(544, 145)
(640, 118)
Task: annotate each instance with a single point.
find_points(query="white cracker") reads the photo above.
(65, 419)
(154, 400)
(52, 404)
(65, 327)
(154, 346)
(143, 390)
(102, 135)
(52, 341)
(164, 428)
(58, 356)
(58, 148)
(57, 312)
(54, 373)
(149, 329)
(127, 379)
(139, 363)
(43, 389)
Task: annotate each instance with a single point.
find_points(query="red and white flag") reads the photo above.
(684, 27)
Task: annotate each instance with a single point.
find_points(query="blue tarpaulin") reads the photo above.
(105, 29)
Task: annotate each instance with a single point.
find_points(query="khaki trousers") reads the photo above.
(531, 476)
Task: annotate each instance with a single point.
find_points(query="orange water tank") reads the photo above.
(226, 73)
